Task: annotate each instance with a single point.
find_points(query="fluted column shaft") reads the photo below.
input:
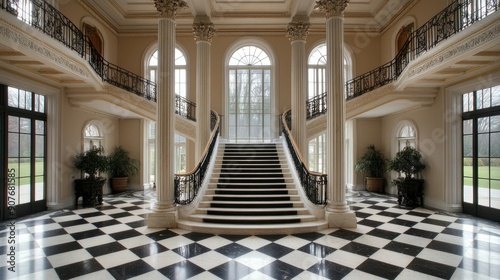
(338, 213)
(203, 31)
(164, 211)
(297, 32)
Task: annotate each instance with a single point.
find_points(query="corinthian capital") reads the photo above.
(298, 29)
(332, 7)
(203, 29)
(169, 8)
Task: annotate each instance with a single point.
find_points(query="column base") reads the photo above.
(341, 219)
(162, 219)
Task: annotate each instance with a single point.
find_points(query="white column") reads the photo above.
(164, 212)
(203, 31)
(297, 31)
(338, 213)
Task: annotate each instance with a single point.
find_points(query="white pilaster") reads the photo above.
(164, 212)
(337, 211)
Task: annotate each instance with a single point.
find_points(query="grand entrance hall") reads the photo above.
(112, 242)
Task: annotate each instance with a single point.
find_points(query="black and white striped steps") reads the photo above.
(251, 192)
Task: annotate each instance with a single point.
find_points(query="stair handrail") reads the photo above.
(187, 185)
(457, 16)
(46, 18)
(314, 183)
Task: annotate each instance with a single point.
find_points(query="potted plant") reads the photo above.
(91, 164)
(121, 166)
(373, 165)
(408, 162)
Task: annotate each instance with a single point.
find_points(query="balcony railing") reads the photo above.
(186, 186)
(316, 106)
(44, 17)
(454, 18)
(314, 184)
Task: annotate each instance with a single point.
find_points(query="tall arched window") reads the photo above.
(317, 71)
(180, 71)
(92, 136)
(249, 95)
(317, 156)
(180, 89)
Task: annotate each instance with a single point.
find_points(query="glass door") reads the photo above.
(481, 153)
(25, 128)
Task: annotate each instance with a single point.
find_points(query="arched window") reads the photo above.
(249, 95)
(407, 136)
(92, 136)
(180, 71)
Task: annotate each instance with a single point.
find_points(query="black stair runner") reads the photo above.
(251, 183)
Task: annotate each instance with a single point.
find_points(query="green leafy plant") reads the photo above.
(372, 163)
(92, 162)
(121, 164)
(408, 161)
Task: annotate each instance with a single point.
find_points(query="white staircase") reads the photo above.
(251, 191)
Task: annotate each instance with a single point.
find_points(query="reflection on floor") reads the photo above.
(112, 242)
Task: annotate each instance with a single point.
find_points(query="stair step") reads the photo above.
(251, 197)
(251, 185)
(252, 204)
(255, 211)
(251, 191)
(215, 228)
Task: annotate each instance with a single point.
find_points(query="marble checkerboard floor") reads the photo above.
(112, 242)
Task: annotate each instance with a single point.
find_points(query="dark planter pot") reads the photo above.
(410, 192)
(373, 184)
(90, 190)
(119, 184)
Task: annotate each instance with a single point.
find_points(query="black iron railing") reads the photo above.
(453, 19)
(186, 186)
(314, 184)
(316, 106)
(185, 108)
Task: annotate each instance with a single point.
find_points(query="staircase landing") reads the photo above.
(251, 192)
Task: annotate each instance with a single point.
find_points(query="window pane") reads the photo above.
(483, 125)
(25, 190)
(495, 96)
(39, 127)
(24, 167)
(484, 192)
(39, 188)
(39, 146)
(39, 166)
(483, 145)
(467, 126)
(467, 143)
(25, 145)
(13, 146)
(13, 97)
(13, 124)
(25, 125)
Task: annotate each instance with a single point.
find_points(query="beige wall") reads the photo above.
(429, 123)
(366, 132)
(131, 139)
(73, 121)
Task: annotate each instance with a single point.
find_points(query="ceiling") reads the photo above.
(246, 15)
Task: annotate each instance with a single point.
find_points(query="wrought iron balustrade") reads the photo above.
(314, 184)
(186, 186)
(454, 18)
(185, 108)
(316, 106)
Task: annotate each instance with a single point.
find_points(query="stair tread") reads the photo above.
(250, 217)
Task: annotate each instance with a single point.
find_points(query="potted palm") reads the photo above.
(373, 165)
(121, 166)
(92, 164)
(408, 162)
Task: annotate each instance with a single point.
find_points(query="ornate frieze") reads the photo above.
(169, 8)
(203, 29)
(297, 30)
(332, 7)
(18, 39)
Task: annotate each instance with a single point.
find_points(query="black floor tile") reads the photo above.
(129, 270)
(431, 268)
(275, 250)
(231, 270)
(105, 249)
(359, 249)
(383, 233)
(148, 250)
(403, 248)
(233, 250)
(421, 233)
(106, 223)
(125, 234)
(447, 247)
(87, 234)
(78, 269)
(380, 269)
(190, 251)
(318, 250)
(436, 222)
(281, 270)
(330, 270)
(181, 270)
(403, 222)
(61, 248)
(160, 235)
(73, 223)
(370, 223)
(346, 234)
